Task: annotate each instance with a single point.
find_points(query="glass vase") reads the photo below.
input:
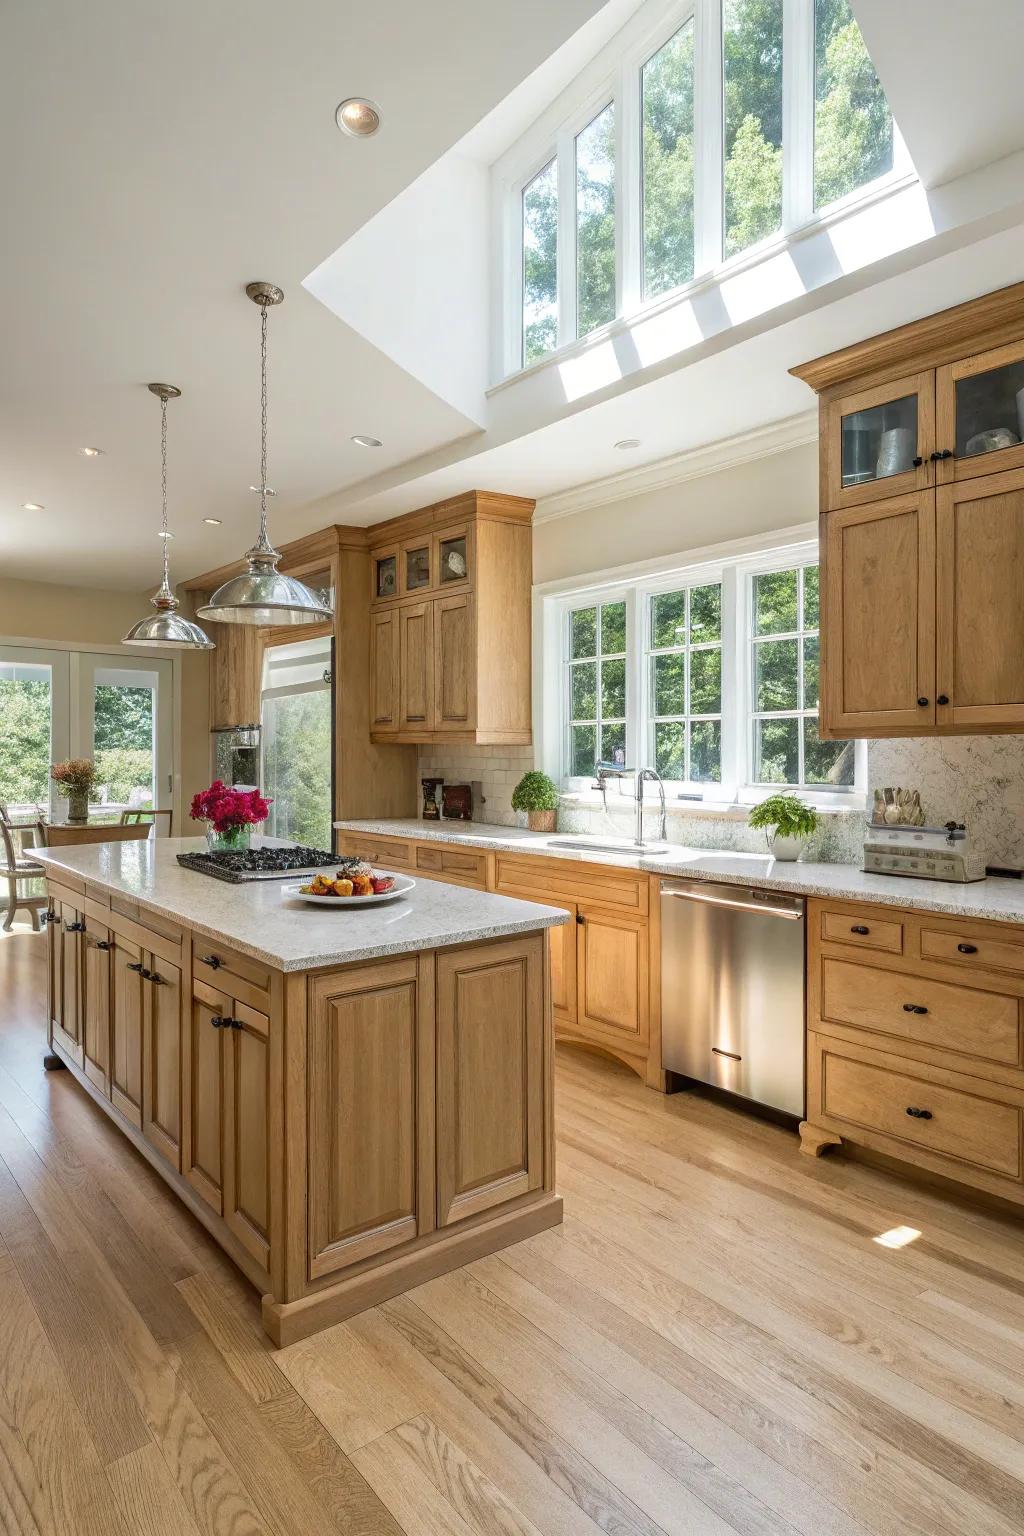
(234, 838)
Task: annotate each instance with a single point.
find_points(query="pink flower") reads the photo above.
(229, 808)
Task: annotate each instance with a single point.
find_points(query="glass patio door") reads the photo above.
(35, 728)
(298, 753)
(122, 718)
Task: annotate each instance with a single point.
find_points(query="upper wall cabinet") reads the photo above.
(450, 623)
(922, 525)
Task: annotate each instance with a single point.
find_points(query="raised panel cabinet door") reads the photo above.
(66, 1024)
(563, 966)
(612, 977)
(370, 1121)
(454, 663)
(202, 1139)
(878, 619)
(980, 618)
(490, 1076)
(96, 960)
(878, 442)
(161, 1057)
(416, 667)
(246, 1046)
(126, 1026)
(384, 670)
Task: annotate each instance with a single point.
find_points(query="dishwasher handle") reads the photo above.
(794, 914)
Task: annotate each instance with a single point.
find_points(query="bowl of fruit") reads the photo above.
(353, 884)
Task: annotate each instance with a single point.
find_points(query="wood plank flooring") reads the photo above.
(712, 1343)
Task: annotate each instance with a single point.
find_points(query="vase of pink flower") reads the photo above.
(230, 814)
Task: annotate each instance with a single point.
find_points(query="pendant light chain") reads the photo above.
(264, 536)
(163, 488)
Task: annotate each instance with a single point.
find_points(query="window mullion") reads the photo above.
(797, 113)
(708, 136)
(637, 732)
(627, 190)
(566, 258)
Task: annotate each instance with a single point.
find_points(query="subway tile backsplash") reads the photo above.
(975, 779)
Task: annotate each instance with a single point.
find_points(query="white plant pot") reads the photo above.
(787, 849)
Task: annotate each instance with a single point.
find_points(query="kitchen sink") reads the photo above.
(592, 845)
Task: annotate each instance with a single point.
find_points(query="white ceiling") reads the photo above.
(158, 158)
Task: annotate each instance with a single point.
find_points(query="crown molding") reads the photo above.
(709, 459)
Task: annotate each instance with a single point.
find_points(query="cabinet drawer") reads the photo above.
(461, 865)
(237, 975)
(954, 1123)
(382, 852)
(967, 949)
(538, 879)
(865, 932)
(962, 1019)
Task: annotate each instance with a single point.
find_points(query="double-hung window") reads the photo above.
(711, 676)
(704, 129)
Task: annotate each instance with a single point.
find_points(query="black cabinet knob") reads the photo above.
(917, 462)
(103, 944)
(947, 453)
(217, 1021)
(943, 698)
(135, 966)
(235, 1023)
(914, 1008)
(968, 949)
(860, 928)
(579, 917)
(74, 927)
(155, 978)
(919, 1114)
(923, 703)
(212, 961)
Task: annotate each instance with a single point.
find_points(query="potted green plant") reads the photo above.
(76, 778)
(787, 823)
(537, 796)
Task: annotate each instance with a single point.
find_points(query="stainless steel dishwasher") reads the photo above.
(732, 990)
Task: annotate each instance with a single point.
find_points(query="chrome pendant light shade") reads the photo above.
(167, 627)
(262, 594)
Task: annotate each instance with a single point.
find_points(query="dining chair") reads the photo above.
(132, 818)
(58, 836)
(17, 869)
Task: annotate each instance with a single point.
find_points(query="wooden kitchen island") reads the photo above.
(351, 1102)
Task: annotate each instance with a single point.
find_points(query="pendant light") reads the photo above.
(167, 627)
(262, 595)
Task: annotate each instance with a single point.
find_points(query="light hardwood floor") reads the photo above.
(712, 1343)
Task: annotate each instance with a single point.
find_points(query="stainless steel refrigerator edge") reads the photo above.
(732, 990)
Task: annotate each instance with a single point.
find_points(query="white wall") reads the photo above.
(774, 492)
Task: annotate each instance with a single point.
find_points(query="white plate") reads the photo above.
(402, 886)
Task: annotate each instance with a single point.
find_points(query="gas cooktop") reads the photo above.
(241, 864)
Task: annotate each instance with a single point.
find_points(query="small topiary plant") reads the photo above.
(538, 796)
(784, 816)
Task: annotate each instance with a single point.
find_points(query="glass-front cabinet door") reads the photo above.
(980, 414)
(881, 441)
(417, 565)
(453, 555)
(384, 565)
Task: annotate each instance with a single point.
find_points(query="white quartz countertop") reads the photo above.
(289, 934)
(999, 900)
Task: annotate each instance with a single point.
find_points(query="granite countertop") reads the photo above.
(999, 900)
(289, 934)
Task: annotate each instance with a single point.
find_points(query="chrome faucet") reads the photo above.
(644, 774)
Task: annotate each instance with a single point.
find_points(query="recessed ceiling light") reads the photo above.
(92, 453)
(627, 442)
(32, 506)
(357, 117)
(362, 441)
(212, 522)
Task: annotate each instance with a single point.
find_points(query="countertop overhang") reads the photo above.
(997, 900)
(288, 934)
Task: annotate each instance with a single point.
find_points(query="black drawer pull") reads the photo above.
(212, 961)
(221, 1021)
(135, 966)
(860, 928)
(74, 927)
(103, 944)
(968, 949)
(914, 1008)
(919, 1114)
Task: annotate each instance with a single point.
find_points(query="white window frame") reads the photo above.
(615, 76)
(735, 572)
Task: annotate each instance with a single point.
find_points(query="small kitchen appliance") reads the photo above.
(923, 853)
(457, 802)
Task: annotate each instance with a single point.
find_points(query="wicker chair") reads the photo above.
(17, 869)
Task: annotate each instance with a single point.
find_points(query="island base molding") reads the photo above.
(289, 1321)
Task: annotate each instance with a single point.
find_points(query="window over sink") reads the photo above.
(709, 675)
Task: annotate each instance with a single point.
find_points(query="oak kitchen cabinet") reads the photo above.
(450, 623)
(922, 525)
